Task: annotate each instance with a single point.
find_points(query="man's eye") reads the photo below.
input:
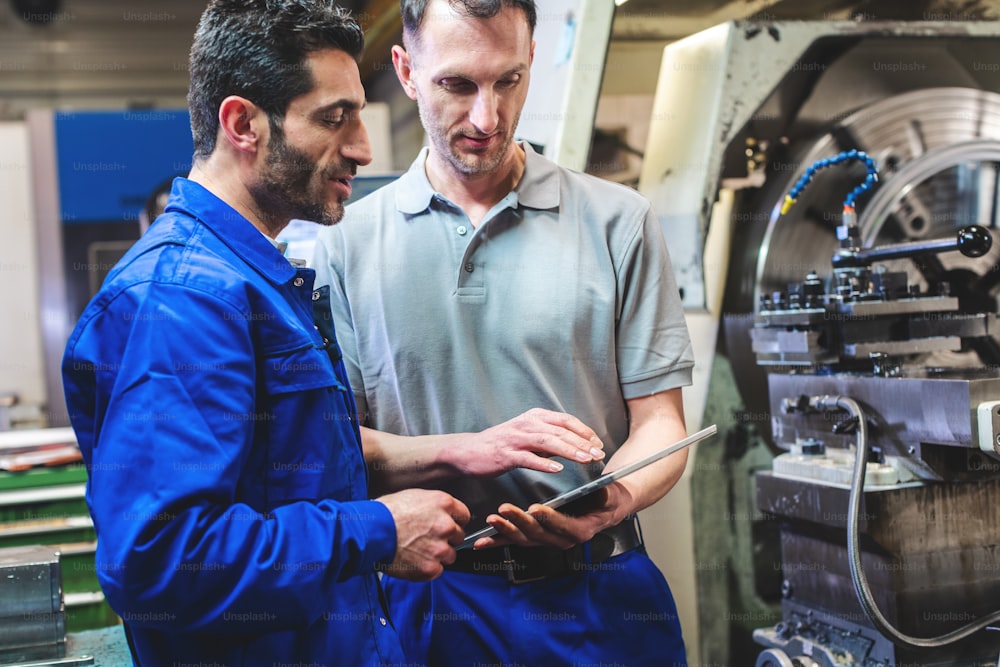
(456, 85)
(335, 120)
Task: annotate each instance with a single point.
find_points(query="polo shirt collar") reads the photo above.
(414, 193)
(538, 187)
(235, 231)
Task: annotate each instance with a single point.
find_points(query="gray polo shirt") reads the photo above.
(562, 298)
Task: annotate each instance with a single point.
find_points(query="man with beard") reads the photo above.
(205, 384)
(487, 283)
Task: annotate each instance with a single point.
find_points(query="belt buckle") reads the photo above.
(510, 566)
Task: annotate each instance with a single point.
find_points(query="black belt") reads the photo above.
(524, 564)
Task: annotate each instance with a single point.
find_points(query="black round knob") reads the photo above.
(974, 240)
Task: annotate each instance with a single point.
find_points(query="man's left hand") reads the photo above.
(544, 526)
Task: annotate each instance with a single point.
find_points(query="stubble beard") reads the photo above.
(286, 189)
(473, 164)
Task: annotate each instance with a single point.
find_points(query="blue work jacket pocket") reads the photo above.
(298, 370)
(316, 454)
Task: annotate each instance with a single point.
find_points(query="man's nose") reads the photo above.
(483, 114)
(359, 148)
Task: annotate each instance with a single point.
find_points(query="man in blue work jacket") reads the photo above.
(227, 482)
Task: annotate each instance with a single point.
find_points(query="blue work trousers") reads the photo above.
(619, 613)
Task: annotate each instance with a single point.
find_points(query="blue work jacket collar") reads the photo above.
(538, 187)
(234, 230)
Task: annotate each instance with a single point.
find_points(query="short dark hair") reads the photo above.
(257, 49)
(413, 11)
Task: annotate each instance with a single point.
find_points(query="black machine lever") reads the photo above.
(971, 241)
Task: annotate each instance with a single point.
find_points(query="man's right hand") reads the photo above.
(428, 528)
(528, 441)
(534, 440)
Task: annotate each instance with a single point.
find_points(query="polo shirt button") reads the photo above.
(469, 267)
(381, 620)
(299, 282)
(462, 229)
(316, 295)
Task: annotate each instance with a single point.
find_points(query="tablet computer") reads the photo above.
(586, 489)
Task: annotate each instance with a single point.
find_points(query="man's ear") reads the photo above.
(242, 123)
(404, 70)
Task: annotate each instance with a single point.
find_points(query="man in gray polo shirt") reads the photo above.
(488, 290)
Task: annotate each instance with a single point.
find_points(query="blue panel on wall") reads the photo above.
(110, 161)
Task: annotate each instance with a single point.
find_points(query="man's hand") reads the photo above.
(653, 419)
(528, 441)
(541, 525)
(428, 528)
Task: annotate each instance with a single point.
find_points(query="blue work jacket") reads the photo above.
(227, 482)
